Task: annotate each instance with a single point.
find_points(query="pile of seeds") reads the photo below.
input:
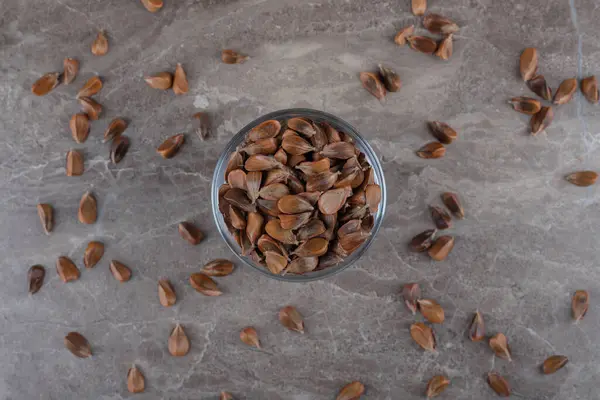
(299, 196)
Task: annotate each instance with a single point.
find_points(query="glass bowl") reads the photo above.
(283, 115)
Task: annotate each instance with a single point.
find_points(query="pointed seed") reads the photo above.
(499, 344)
(135, 380)
(88, 209)
(538, 85)
(565, 91)
(436, 23)
(80, 127)
(35, 278)
(582, 178)
(166, 293)
(529, 63)
(423, 336)
(93, 253)
(419, 7)
(218, 267)
(171, 146)
(249, 336)
(116, 127)
(46, 214)
(431, 310)
(580, 304)
(541, 120)
(232, 57)
(411, 292)
(100, 44)
(498, 384)
(423, 241)
(91, 107)
(120, 271)
(180, 83)
(436, 386)
(77, 344)
(351, 391)
(190, 232)
(91, 87)
(423, 44)
(400, 38)
(45, 84)
(390, 79)
(371, 82)
(66, 269)
(162, 81)
(291, 319)
(477, 328)
(179, 344)
(204, 284)
(119, 148)
(70, 70)
(432, 150)
(589, 88)
(525, 105)
(441, 248)
(553, 364)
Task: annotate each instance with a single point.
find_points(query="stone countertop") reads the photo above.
(529, 239)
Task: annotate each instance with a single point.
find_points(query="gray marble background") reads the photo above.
(528, 242)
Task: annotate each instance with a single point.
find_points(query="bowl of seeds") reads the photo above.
(298, 195)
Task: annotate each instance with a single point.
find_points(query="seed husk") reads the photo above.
(93, 253)
(423, 336)
(589, 88)
(88, 209)
(329, 260)
(432, 150)
(171, 146)
(423, 241)
(371, 82)
(340, 150)
(499, 344)
(332, 201)
(218, 267)
(162, 81)
(419, 7)
(166, 293)
(264, 146)
(438, 24)
(423, 44)
(580, 304)
(529, 63)
(67, 270)
(445, 48)
(553, 364)
(179, 344)
(204, 284)
(268, 207)
(80, 127)
(244, 242)
(582, 178)
(190, 232)
(525, 105)
(46, 214)
(239, 198)
(265, 130)
(291, 319)
(120, 271)
(314, 247)
(400, 38)
(276, 175)
(180, 83)
(351, 391)
(431, 310)
(293, 204)
(390, 79)
(70, 70)
(373, 197)
(232, 57)
(274, 191)
(332, 134)
(312, 228)
(498, 384)
(100, 44)
(453, 204)
(477, 328)
(302, 265)
(302, 126)
(91, 87)
(259, 162)
(436, 386)
(538, 85)
(294, 221)
(45, 84)
(249, 336)
(119, 148)
(254, 226)
(322, 181)
(135, 380)
(565, 91)
(541, 120)
(441, 248)
(202, 124)
(152, 5)
(411, 292)
(77, 344)
(253, 181)
(92, 108)
(35, 278)
(440, 217)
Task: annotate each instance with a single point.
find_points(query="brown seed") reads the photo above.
(538, 85)
(259, 162)
(541, 120)
(77, 344)
(400, 38)
(312, 228)
(323, 181)
(293, 204)
(419, 7)
(441, 218)
(239, 198)
(120, 271)
(35, 277)
(92, 108)
(93, 253)
(202, 125)
(179, 344)
(498, 384)
(237, 218)
(218, 267)
(340, 150)
(436, 386)
(329, 260)
(589, 88)
(302, 126)
(311, 197)
(135, 380)
(436, 23)
(100, 44)
(277, 175)
(74, 165)
(565, 91)
(152, 5)
(268, 207)
(499, 344)
(45, 84)
(351, 391)
(237, 179)
(267, 243)
(371, 82)
(88, 209)
(529, 63)
(411, 292)
(70, 70)
(162, 81)
(423, 335)
(264, 146)
(232, 57)
(442, 132)
(274, 229)
(553, 364)
(180, 83)
(423, 241)
(390, 79)
(314, 247)
(349, 227)
(204, 284)
(66, 269)
(314, 167)
(280, 154)
(253, 181)
(477, 328)
(296, 145)
(265, 130)
(580, 304)
(582, 178)
(80, 127)
(294, 221)
(319, 139)
(171, 146)
(291, 319)
(274, 191)
(432, 150)
(276, 262)
(190, 232)
(453, 204)
(332, 201)
(302, 265)
(423, 44)
(373, 197)
(441, 248)
(249, 336)
(445, 48)
(91, 87)
(46, 214)
(332, 134)
(119, 148)
(350, 243)
(225, 396)
(254, 227)
(116, 127)
(525, 105)
(166, 294)
(431, 310)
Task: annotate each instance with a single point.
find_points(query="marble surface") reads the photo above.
(527, 243)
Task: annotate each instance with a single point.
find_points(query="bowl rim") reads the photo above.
(362, 144)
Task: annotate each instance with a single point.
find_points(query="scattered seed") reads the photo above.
(442, 132)
(291, 319)
(432, 150)
(80, 127)
(390, 79)
(441, 248)
(580, 304)
(453, 204)
(179, 344)
(529, 63)
(202, 124)
(232, 57)
(88, 209)
(525, 105)
(66, 269)
(92, 108)
(423, 241)
(225, 396)
(239, 198)
(218, 267)
(445, 48)
(93, 253)
(423, 44)
(438, 24)
(116, 127)
(120, 271)
(171, 146)
(166, 293)
(46, 214)
(582, 178)
(441, 218)
(431, 310)
(45, 84)
(35, 277)
(70, 70)
(135, 380)
(401, 36)
(91, 87)
(180, 83)
(162, 81)
(565, 91)
(477, 328)
(411, 293)
(119, 148)
(498, 384)
(74, 163)
(589, 88)
(541, 120)
(249, 336)
(190, 232)
(423, 335)
(100, 44)
(436, 386)
(204, 284)
(538, 85)
(553, 364)
(371, 82)
(77, 344)
(419, 7)
(152, 5)
(499, 344)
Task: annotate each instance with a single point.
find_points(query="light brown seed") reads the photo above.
(390, 79)
(180, 83)
(179, 344)
(35, 278)
(314, 167)
(293, 204)
(277, 175)
(541, 120)
(120, 271)
(351, 391)
(498, 384)
(350, 243)
(204, 284)
(74, 165)
(296, 145)
(538, 85)
(45, 84)
(442, 132)
(100, 44)
(232, 57)
(445, 48)
(565, 91)
(499, 345)
(274, 229)
(171, 146)
(152, 5)
(419, 7)
(441, 248)
(323, 181)
(333, 135)
(373, 85)
(423, 336)
(46, 214)
(423, 241)
(276, 262)
(314, 247)
(319, 139)
(373, 197)
(119, 148)
(302, 265)
(77, 344)
(80, 127)
(92, 108)
(529, 63)
(116, 127)
(280, 154)
(265, 130)
(237, 218)
(291, 319)
(218, 267)
(453, 204)
(190, 232)
(441, 218)
(254, 227)
(88, 209)
(580, 304)
(302, 126)
(237, 179)
(423, 44)
(477, 328)
(202, 124)
(436, 23)
(553, 364)
(259, 162)
(311, 197)
(436, 386)
(166, 293)
(66, 269)
(274, 191)
(253, 181)
(135, 380)
(249, 336)
(339, 150)
(525, 105)
(589, 88)
(411, 292)
(162, 81)
(70, 70)
(312, 228)
(91, 87)
(225, 396)
(432, 150)
(266, 147)
(400, 38)
(431, 310)
(582, 178)
(332, 201)
(294, 221)
(349, 227)
(93, 253)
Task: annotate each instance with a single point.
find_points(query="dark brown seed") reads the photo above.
(153, 5)
(371, 82)
(423, 240)
(166, 294)
(92, 108)
(441, 218)
(161, 81)
(477, 328)
(302, 126)
(431, 310)
(249, 336)
(100, 44)
(88, 209)
(120, 271)
(190, 232)
(565, 91)
(179, 344)
(74, 165)
(332, 134)
(70, 70)
(353, 390)
(265, 130)
(423, 44)
(93, 253)
(66, 269)
(499, 345)
(453, 204)
(180, 83)
(323, 181)
(204, 284)
(419, 6)
(580, 304)
(77, 344)
(589, 88)
(45, 84)
(442, 132)
(232, 57)
(239, 198)
(423, 335)
(553, 364)
(119, 148)
(436, 23)
(291, 319)
(436, 386)
(302, 265)
(135, 380)
(80, 127)
(91, 87)
(202, 125)
(319, 139)
(445, 48)
(411, 292)
(538, 85)
(35, 276)
(525, 105)
(541, 120)
(339, 150)
(329, 260)
(400, 38)
(46, 214)
(441, 248)
(218, 267)
(498, 384)
(237, 218)
(390, 79)
(116, 127)
(529, 63)
(171, 146)
(582, 178)
(432, 150)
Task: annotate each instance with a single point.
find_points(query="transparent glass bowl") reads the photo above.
(283, 115)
